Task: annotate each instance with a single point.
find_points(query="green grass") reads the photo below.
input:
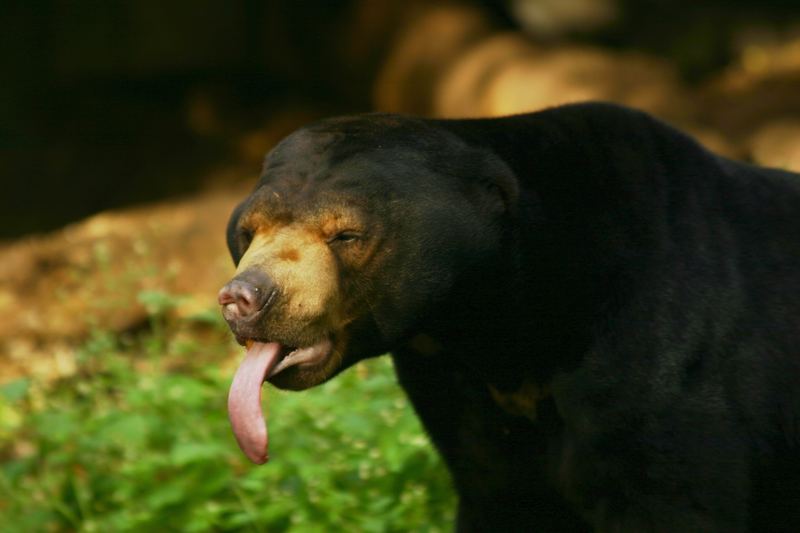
(138, 440)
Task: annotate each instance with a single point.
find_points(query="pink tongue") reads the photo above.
(244, 399)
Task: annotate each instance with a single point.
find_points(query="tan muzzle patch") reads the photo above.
(302, 267)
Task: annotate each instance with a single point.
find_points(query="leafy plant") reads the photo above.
(138, 440)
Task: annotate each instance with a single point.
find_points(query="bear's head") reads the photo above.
(358, 228)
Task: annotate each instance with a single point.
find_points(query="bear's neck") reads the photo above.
(534, 303)
(593, 188)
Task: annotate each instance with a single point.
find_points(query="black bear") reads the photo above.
(596, 319)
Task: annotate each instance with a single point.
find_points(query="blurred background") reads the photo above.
(129, 130)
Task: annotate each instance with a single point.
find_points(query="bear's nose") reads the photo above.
(245, 295)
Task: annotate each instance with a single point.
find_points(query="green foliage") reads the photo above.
(138, 440)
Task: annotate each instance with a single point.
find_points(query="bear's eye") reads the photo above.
(344, 237)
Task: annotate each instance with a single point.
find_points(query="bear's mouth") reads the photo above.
(289, 356)
(309, 356)
(262, 361)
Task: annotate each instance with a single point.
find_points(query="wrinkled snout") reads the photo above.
(246, 297)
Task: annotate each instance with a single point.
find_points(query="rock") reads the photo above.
(761, 89)
(506, 74)
(427, 43)
(448, 61)
(777, 144)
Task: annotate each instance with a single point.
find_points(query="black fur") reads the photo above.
(650, 288)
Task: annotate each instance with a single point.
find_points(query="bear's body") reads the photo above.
(596, 319)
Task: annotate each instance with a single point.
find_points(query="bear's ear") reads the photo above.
(498, 185)
(232, 233)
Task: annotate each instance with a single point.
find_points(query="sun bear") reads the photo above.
(596, 319)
